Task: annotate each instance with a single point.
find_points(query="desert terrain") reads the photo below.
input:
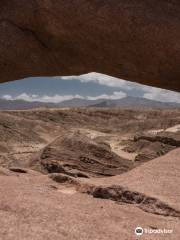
(89, 173)
(75, 167)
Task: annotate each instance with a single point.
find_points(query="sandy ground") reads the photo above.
(113, 140)
(117, 148)
(175, 128)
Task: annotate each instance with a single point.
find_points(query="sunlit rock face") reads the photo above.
(135, 40)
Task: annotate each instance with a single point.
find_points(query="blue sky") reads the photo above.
(87, 86)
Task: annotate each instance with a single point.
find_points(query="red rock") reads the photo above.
(135, 40)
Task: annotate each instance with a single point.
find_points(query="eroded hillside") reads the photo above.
(89, 173)
(112, 140)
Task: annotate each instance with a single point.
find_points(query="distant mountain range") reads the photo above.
(127, 102)
(135, 102)
(21, 104)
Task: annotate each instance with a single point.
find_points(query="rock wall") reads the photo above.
(138, 40)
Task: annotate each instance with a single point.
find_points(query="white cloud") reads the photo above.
(7, 97)
(99, 78)
(162, 95)
(59, 98)
(149, 92)
(123, 87)
(45, 98)
(115, 95)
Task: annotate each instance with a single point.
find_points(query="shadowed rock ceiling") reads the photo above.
(138, 40)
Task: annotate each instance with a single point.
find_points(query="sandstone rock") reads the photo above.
(31, 208)
(5, 172)
(76, 151)
(61, 178)
(18, 170)
(146, 203)
(169, 138)
(135, 40)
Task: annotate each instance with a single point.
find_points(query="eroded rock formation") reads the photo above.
(136, 40)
